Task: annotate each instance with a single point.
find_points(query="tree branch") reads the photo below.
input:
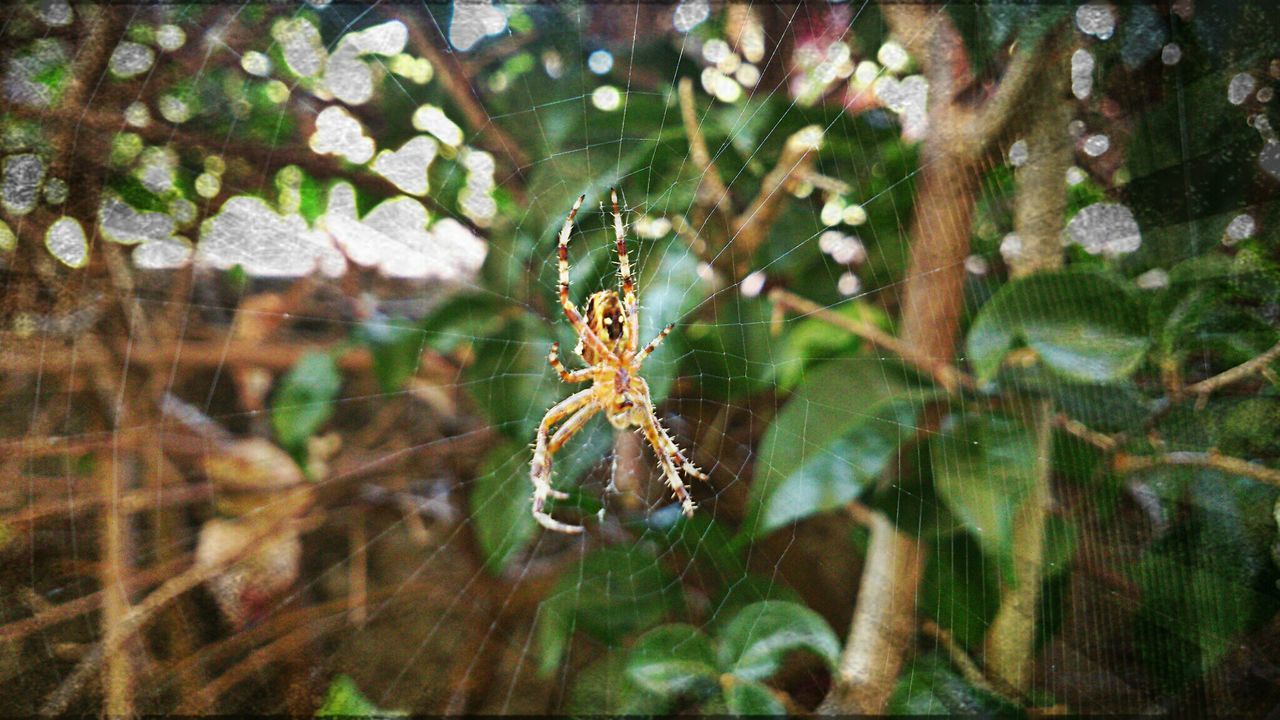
(951, 378)
(1125, 463)
(883, 622)
(1237, 373)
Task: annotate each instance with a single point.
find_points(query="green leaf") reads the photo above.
(614, 592)
(668, 289)
(930, 687)
(811, 341)
(304, 401)
(745, 591)
(744, 697)
(396, 346)
(1208, 581)
(500, 504)
(833, 438)
(959, 591)
(983, 467)
(344, 699)
(754, 643)
(733, 354)
(673, 660)
(510, 379)
(1085, 326)
(603, 688)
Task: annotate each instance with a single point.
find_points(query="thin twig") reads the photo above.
(1126, 463)
(752, 226)
(1103, 442)
(711, 191)
(959, 657)
(1237, 373)
(948, 376)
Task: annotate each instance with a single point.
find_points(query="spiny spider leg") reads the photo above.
(576, 376)
(647, 350)
(575, 318)
(624, 272)
(540, 471)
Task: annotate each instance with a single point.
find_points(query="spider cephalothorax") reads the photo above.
(607, 341)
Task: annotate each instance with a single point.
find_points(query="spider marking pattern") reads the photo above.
(608, 331)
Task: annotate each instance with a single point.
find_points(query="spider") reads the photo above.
(607, 328)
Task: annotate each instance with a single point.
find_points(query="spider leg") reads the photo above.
(576, 376)
(575, 318)
(668, 454)
(624, 272)
(540, 470)
(647, 350)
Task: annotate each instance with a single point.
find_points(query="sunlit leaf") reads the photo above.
(344, 699)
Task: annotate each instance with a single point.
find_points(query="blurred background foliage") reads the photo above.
(269, 397)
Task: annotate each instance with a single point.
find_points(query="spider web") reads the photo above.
(469, 608)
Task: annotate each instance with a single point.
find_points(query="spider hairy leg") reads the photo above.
(624, 273)
(654, 343)
(668, 454)
(540, 469)
(576, 376)
(575, 318)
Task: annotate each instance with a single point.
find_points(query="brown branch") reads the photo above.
(260, 659)
(1125, 463)
(883, 622)
(117, 677)
(1101, 441)
(711, 192)
(129, 502)
(19, 629)
(1237, 373)
(948, 376)
(969, 669)
(752, 226)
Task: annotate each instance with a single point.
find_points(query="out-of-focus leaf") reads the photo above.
(344, 699)
(812, 341)
(614, 592)
(733, 354)
(1210, 579)
(673, 660)
(304, 401)
(983, 467)
(746, 591)
(988, 27)
(396, 347)
(1085, 326)
(500, 504)
(753, 645)
(668, 289)
(708, 543)
(960, 590)
(931, 687)
(744, 697)
(510, 378)
(834, 436)
(603, 688)
(1105, 408)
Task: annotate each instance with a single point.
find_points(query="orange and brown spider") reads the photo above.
(607, 342)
